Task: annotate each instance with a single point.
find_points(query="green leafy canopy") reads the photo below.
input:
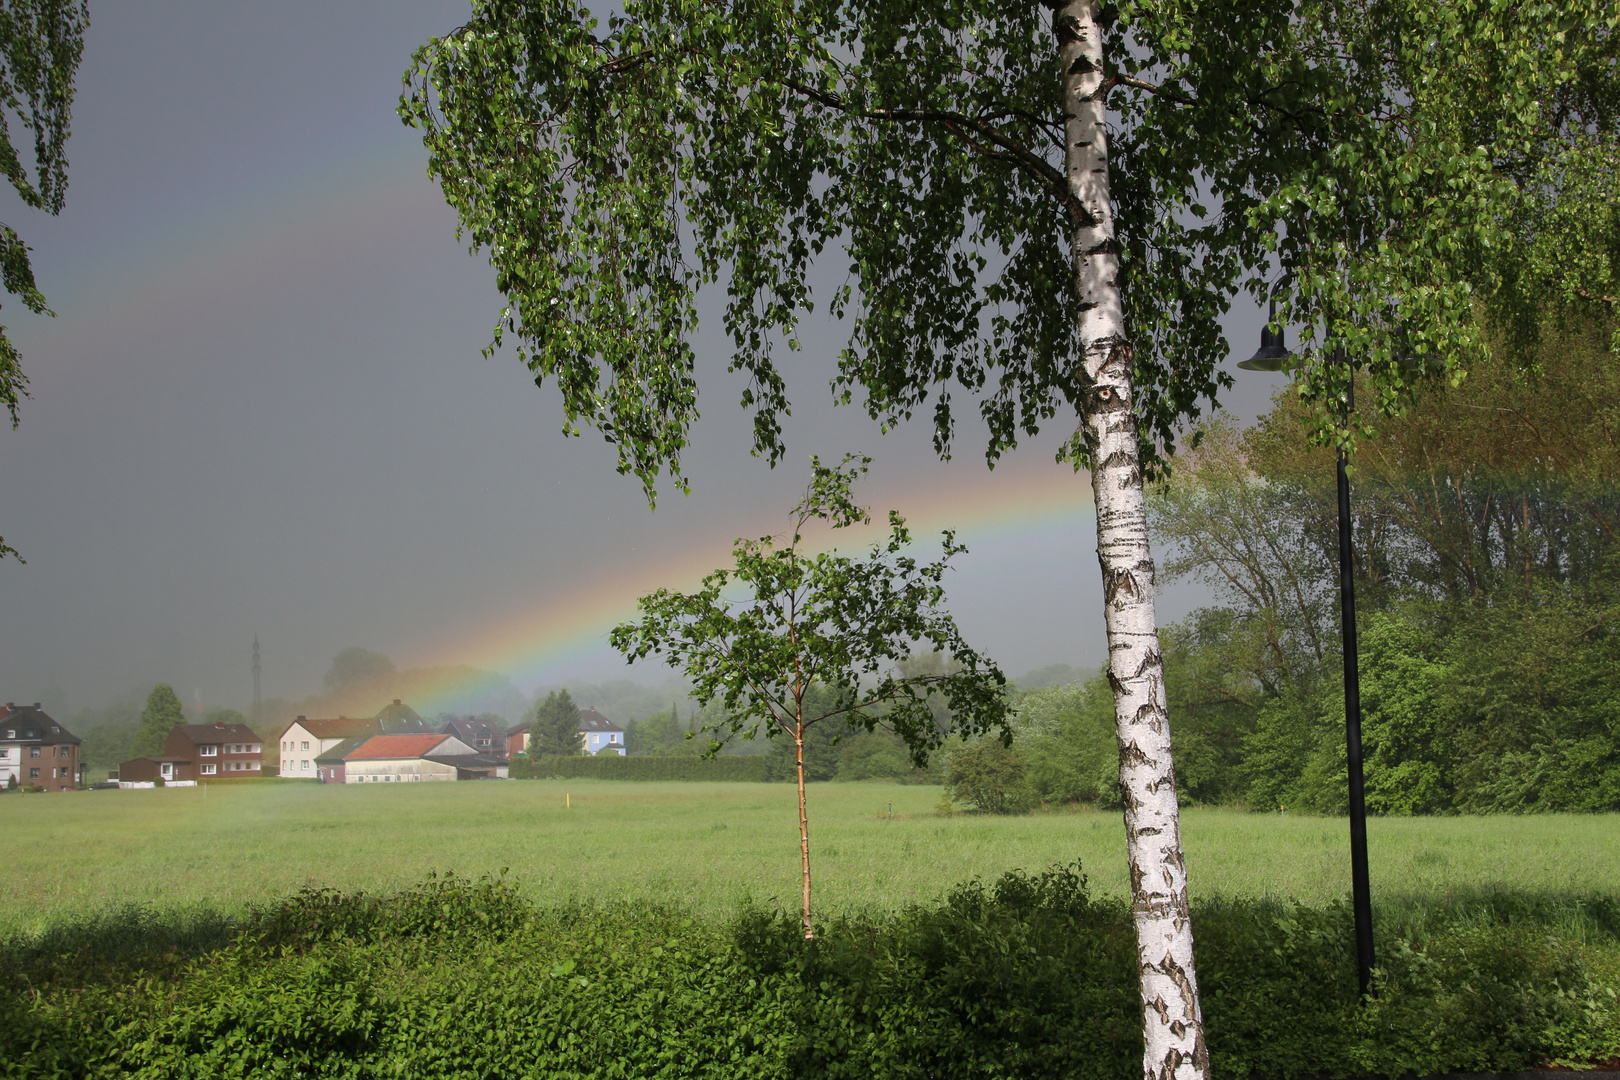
(1404, 162)
(828, 622)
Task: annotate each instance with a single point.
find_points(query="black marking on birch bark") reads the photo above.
(1151, 660)
(1109, 246)
(1067, 29)
(1117, 458)
(1148, 713)
(1131, 480)
(1131, 755)
(1119, 586)
(1113, 682)
(1190, 995)
(1081, 65)
(1148, 831)
(1125, 425)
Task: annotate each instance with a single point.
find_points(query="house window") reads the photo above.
(304, 746)
(210, 769)
(304, 766)
(33, 774)
(11, 733)
(208, 751)
(33, 751)
(4, 753)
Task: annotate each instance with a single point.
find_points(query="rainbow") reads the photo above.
(993, 513)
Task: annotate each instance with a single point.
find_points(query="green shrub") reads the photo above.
(744, 769)
(1028, 976)
(989, 776)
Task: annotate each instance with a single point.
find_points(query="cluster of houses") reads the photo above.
(395, 746)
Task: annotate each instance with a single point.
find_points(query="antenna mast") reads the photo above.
(255, 680)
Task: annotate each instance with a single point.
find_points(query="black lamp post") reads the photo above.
(1272, 355)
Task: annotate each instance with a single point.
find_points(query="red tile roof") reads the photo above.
(393, 747)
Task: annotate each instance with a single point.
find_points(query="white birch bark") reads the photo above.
(1172, 1022)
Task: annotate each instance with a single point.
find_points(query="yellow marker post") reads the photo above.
(568, 801)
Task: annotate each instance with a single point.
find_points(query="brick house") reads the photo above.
(36, 751)
(199, 752)
(517, 740)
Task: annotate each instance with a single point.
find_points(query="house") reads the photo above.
(481, 735)
(195, 752)
(517, 740)
(392, 759)
(598, 734)
(216, 749)
(36, 751)
(306, 740)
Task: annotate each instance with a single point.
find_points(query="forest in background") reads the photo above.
(1488, 586)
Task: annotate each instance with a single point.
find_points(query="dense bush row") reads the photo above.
(752, 769)
(1028, 977)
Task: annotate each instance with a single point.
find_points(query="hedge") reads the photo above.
(1029, 977)
(754, 768)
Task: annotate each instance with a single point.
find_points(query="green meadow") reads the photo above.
(710, 847)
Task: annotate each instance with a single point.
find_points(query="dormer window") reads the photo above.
(11, 733)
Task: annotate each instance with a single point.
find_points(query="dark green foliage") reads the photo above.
(1028, 976)
(161, 716)
(106, 734)
(41, 42)
(753, 768)
(662, 734)
(554, 726)
(990, 777)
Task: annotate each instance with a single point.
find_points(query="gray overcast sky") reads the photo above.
(262, 407)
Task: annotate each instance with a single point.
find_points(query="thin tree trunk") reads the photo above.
(804, 829)
(1172, 1022)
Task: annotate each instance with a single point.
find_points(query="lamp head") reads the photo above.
(1272, 354)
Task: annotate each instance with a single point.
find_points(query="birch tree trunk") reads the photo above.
(1172, 1022)
(804, 829)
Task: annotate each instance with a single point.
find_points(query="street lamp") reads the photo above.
(1272, 356)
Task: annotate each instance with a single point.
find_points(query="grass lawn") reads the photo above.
(709, 846)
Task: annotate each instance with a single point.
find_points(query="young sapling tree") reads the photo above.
(784, 620)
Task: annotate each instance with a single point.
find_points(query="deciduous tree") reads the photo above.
(40, 45)
(798, 640)
(1044, 208)
(161, 716)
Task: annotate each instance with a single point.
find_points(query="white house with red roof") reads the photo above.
(400, 759)
(306, 739)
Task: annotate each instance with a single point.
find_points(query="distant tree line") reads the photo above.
(1488, 579)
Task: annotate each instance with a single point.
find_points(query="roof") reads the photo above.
(160, 759)
(338, 753)
(400, 719)
(343, 727)
(591, 720)
(473, 730)
(32, 724)
(396, 747)
(521, 729)
(212, 733)
(467, 761)
(394, 719)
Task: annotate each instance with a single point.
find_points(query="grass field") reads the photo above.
(709, 846)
